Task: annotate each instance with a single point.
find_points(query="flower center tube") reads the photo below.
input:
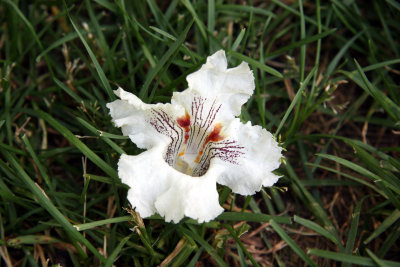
(195, 138)
(196, 151)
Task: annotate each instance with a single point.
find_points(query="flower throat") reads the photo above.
(195, 138)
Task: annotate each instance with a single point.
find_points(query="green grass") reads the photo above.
(327, 84)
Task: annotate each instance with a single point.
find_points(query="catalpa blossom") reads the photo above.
(193, 143)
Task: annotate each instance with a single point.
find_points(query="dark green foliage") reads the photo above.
(327, 83)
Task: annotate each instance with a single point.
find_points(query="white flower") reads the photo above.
(194, 143)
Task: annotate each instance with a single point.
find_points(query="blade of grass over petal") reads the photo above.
(291, 243)
(46, 203)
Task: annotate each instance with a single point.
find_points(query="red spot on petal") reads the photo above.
(184, 122)
(214, 136)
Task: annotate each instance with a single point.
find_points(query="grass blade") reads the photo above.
(317, 228)
(361, 170)
(253, 217)
(196, 18)
(97, 66)
(163, 62)
(78, 144)
(378, 261)
(203, 243)
(103, 137)
(239, 242)
(116, 251)
(42, 171)
(353, 259)
(391, 108)
(256, 64)
(91, 225)
(388, 222)
(296, 98)
(300, 43)
(291, 243)
(45, 202)
(351, 239)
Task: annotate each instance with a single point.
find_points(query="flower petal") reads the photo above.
(229, 87)
(253, 169)
(156, 187)
(194, 197)
(135, 119)
(146, 184)
(193, 143)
